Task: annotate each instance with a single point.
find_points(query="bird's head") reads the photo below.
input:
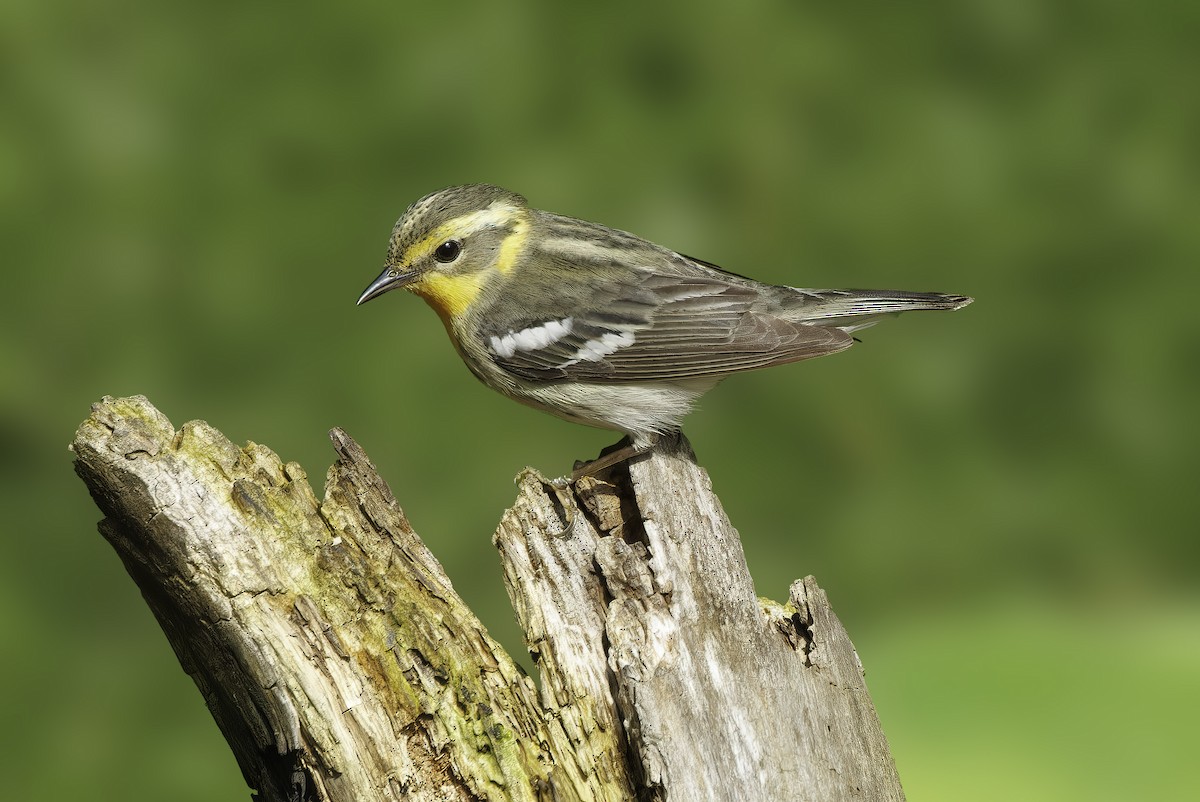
(450, 243)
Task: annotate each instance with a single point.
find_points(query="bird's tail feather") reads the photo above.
(851, 310)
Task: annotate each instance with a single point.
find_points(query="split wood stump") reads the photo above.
(341, 665)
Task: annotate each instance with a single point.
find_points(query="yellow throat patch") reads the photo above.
(449, 296)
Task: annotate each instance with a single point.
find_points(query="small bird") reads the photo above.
(602, 327)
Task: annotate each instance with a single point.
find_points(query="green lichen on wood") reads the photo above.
(258, 561)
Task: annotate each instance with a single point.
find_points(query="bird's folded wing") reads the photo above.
(653, 327)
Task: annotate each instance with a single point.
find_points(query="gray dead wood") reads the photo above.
(341, 665)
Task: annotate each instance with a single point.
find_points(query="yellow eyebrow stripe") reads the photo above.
(461, 227)
(423, 247)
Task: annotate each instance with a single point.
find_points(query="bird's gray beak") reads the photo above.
(389, 279)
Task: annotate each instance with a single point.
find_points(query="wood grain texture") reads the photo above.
(723, 695)
(328, 643)
(341, 665)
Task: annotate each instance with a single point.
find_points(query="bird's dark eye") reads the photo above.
(448, 251)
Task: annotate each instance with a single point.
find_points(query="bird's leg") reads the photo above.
(604, 461)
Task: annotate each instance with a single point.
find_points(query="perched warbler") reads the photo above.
(602, 327)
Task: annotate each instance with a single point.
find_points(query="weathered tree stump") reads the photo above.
(341, 665)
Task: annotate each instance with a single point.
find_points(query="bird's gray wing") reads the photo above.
(653, 325)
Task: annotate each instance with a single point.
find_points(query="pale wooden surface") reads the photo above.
(724, 695)
(340, 663)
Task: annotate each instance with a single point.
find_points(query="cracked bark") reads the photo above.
(341, 665)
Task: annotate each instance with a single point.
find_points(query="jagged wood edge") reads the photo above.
(328, 643)
(722, 695)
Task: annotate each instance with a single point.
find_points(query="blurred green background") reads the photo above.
(1001, 502)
